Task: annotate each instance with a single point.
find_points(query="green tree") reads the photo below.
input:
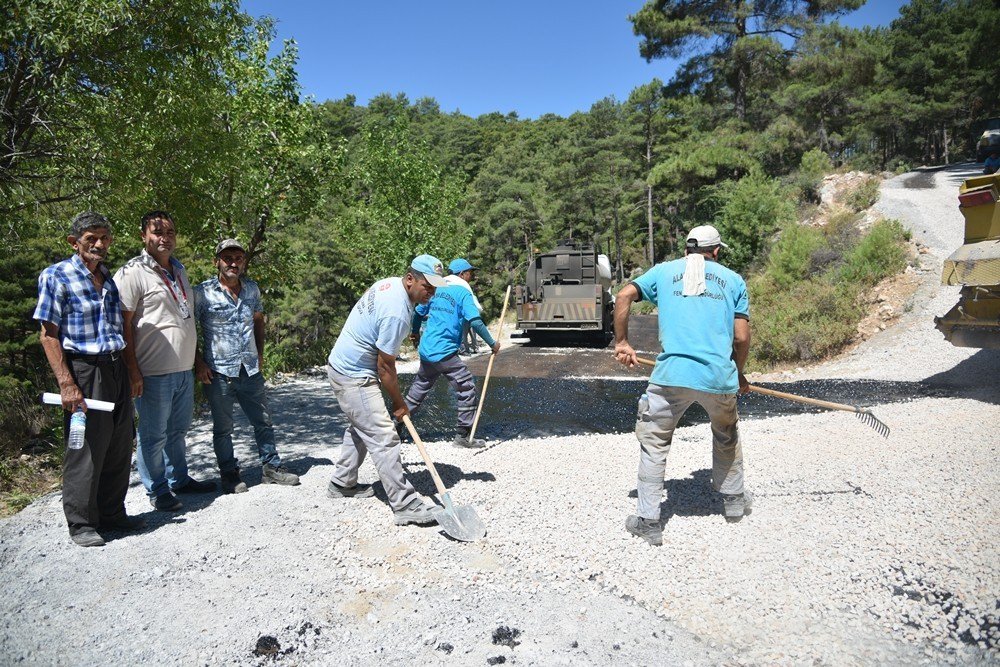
(731, 40)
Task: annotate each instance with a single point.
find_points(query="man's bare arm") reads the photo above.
(390, 382)
(623, 303)
(741, 349)
(131, 362)
(68, 390)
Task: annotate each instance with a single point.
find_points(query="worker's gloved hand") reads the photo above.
(496, 347)
(625, 354)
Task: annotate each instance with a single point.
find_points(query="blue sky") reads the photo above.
(544, 56)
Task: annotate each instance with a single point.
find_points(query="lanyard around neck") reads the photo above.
(170, 287)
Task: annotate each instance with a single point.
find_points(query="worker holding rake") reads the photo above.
(704, 329)
(452, 309)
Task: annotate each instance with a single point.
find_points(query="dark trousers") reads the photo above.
(461, 380)
(95, 477)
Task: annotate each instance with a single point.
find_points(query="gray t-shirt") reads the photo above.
(379, 321)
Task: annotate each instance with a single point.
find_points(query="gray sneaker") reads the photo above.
(417, 512)
(464, 442)
(276, 475)
(737, 506)
(87, 537)
(647, 529)
(232, 482)
(335, 490)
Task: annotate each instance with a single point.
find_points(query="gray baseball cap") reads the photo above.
(227, 244)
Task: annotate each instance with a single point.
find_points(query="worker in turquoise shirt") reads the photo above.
(452, 309)
(704, 322)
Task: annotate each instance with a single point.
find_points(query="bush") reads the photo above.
(879, 255)
(748, 212)
(807, 179)
(805, 304)
(864, 196)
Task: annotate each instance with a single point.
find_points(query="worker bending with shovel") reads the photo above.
(452, 309)
(704, 329)
(364, 359)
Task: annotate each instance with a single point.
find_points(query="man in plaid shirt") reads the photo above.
(81, 318)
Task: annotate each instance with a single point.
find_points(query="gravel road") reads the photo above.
(859, 551)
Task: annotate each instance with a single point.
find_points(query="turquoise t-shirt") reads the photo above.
(696, 332)
(446, 315)
(378, 322)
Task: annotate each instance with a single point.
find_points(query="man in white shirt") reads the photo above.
(364, 359)
(160, 338)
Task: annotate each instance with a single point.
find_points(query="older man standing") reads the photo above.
(452, 309)
(704, 321)
(161, 335)
(228, 308)
(362, 359)
(81, 319)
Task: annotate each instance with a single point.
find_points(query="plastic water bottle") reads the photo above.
(77, 428)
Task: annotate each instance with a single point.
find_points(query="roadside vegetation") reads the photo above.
(189, 106)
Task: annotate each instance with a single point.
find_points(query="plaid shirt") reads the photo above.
(89, 323)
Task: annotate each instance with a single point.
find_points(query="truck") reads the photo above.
(975, 320)
(566, 294)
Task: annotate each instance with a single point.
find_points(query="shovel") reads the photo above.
(867, 417)
(458, 521)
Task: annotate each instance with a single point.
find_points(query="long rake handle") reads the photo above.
(780, 394)
(423, 452)
(489, 368)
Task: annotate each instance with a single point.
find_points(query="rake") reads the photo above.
(866, 416)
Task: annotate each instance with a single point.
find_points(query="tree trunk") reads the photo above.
(944, 142)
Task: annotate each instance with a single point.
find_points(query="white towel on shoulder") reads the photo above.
(694, 274)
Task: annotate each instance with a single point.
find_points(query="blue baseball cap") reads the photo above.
(459, 265)
(431, 268)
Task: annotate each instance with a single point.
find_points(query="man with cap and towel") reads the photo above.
(229, 312)
(704, 324)
(452, 309)
(361, 364)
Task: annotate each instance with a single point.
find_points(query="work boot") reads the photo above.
(462, 440)
(736, 506)
(648, 529)
(124, 523)
(337, 491)
(166, 502)
(417, 512)
(195, 486)
(87, 537)
(276, 475)
(232, 482)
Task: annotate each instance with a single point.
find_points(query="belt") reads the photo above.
(98, 359)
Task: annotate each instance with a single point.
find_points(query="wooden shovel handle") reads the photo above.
(423, 452)
(489, 368)
(780, 394)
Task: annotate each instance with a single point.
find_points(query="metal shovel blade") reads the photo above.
(459, 521)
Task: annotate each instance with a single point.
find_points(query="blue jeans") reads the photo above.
(165, 410)
(249, 391)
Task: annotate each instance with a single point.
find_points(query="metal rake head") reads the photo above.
(870, 419)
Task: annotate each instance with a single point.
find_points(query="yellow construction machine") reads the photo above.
(975, 319)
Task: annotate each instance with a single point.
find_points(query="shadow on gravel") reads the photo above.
(973, 378)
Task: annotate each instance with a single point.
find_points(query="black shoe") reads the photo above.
(124, 523)
(194, 486)
(232, 482)
(166, 502)
(87, 537)
(277, 475)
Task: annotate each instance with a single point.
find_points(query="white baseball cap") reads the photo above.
(704, 236)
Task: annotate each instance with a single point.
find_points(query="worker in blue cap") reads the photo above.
(453, 308)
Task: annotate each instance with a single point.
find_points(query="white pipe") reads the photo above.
(92, 403)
